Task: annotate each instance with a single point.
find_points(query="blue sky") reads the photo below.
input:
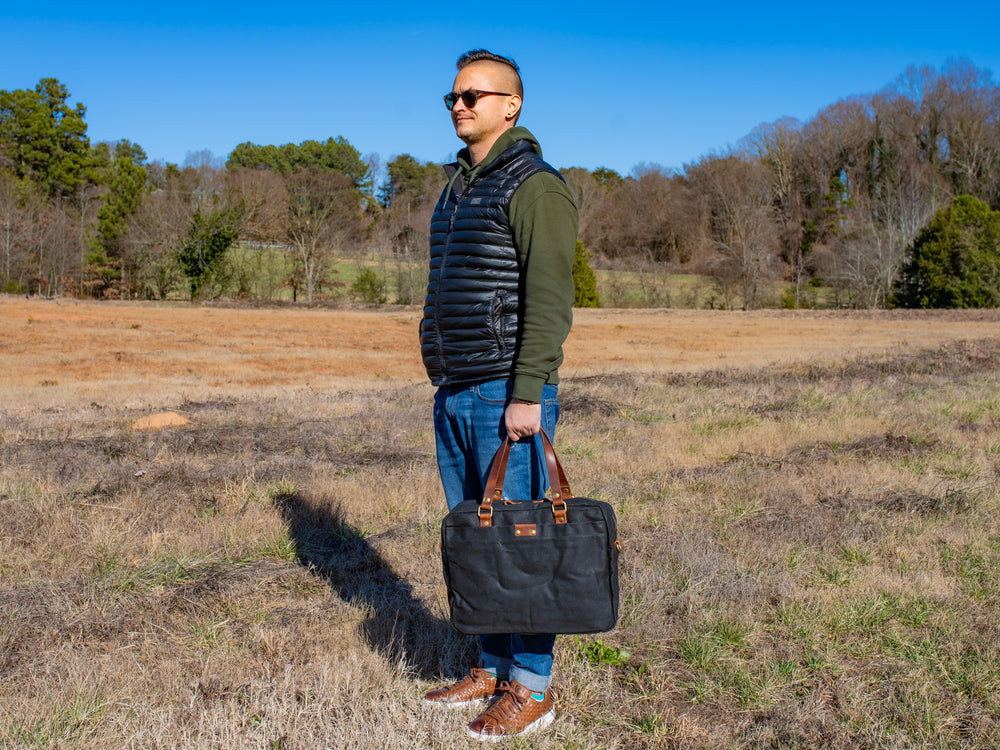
(614, 84)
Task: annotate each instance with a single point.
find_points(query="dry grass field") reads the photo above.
(809, 505)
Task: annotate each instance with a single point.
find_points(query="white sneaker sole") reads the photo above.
(456, 704)
(540, 723)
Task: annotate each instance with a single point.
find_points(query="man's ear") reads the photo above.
(513, 107)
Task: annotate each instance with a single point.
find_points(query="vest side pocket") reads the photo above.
(497, 320)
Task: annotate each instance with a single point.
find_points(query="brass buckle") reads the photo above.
(485, 519)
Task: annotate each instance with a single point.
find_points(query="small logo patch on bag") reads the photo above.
(525, 529)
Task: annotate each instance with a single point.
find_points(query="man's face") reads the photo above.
(492, 115)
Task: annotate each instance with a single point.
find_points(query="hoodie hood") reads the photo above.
(461, 172)
(507, 139)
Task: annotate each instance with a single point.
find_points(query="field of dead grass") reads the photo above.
(808, 502)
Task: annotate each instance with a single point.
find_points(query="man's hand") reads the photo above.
(522, 419)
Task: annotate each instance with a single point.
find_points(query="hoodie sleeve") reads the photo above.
(545, 222)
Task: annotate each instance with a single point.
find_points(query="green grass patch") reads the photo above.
(977, 570)
(67, 722)
(855, 555)
(725, 425)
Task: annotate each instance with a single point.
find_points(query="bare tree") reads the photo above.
(324, 213)
(648, 217)
(587, 192)
(35, 253)
(265, 205)
(922, 96)
(63, 241)
(972, 123)
(835, 161)
(157, 230)
(742, 223)
(404, 225)
(16, 222)
(892, 199)
(778, 146)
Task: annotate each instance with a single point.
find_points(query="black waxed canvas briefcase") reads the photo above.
(532, 566)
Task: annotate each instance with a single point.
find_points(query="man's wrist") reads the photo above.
(528, 388)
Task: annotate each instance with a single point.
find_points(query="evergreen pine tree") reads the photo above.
(584, 280)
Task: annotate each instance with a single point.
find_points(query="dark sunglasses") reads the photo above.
(469, 98)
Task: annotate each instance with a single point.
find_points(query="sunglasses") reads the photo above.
(469, 98)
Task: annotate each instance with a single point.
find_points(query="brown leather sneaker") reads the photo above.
(514, 712)
(478, 685)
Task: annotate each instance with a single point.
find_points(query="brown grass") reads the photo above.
(809, 505)
(135, 354)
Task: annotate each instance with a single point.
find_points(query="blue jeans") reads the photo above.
(469, 427)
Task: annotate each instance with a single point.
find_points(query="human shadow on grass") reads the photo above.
(399, 625)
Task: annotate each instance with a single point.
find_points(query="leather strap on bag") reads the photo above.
(558, 483)
(494, 483)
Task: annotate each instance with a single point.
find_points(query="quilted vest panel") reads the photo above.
(470, 329)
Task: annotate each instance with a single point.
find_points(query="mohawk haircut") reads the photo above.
(481, 55)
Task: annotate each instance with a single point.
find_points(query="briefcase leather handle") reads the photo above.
(558, 483)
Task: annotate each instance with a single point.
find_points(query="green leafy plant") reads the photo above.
(209, 236)
(596, 652)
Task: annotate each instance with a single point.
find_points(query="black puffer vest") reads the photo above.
(470, 330)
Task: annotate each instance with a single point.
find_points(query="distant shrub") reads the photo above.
(955, 260)
(788, 298)
(369, 286)
(584, 279)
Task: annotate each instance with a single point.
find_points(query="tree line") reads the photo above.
(884, 199)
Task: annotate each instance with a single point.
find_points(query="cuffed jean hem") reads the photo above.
(534, 682)
(525, 658)
(498, 668)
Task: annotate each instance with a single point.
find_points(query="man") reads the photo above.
(498, 309)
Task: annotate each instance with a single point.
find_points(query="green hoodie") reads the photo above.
(544, 220)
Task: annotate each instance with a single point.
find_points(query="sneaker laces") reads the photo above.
(471, 677)
(503, 711)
